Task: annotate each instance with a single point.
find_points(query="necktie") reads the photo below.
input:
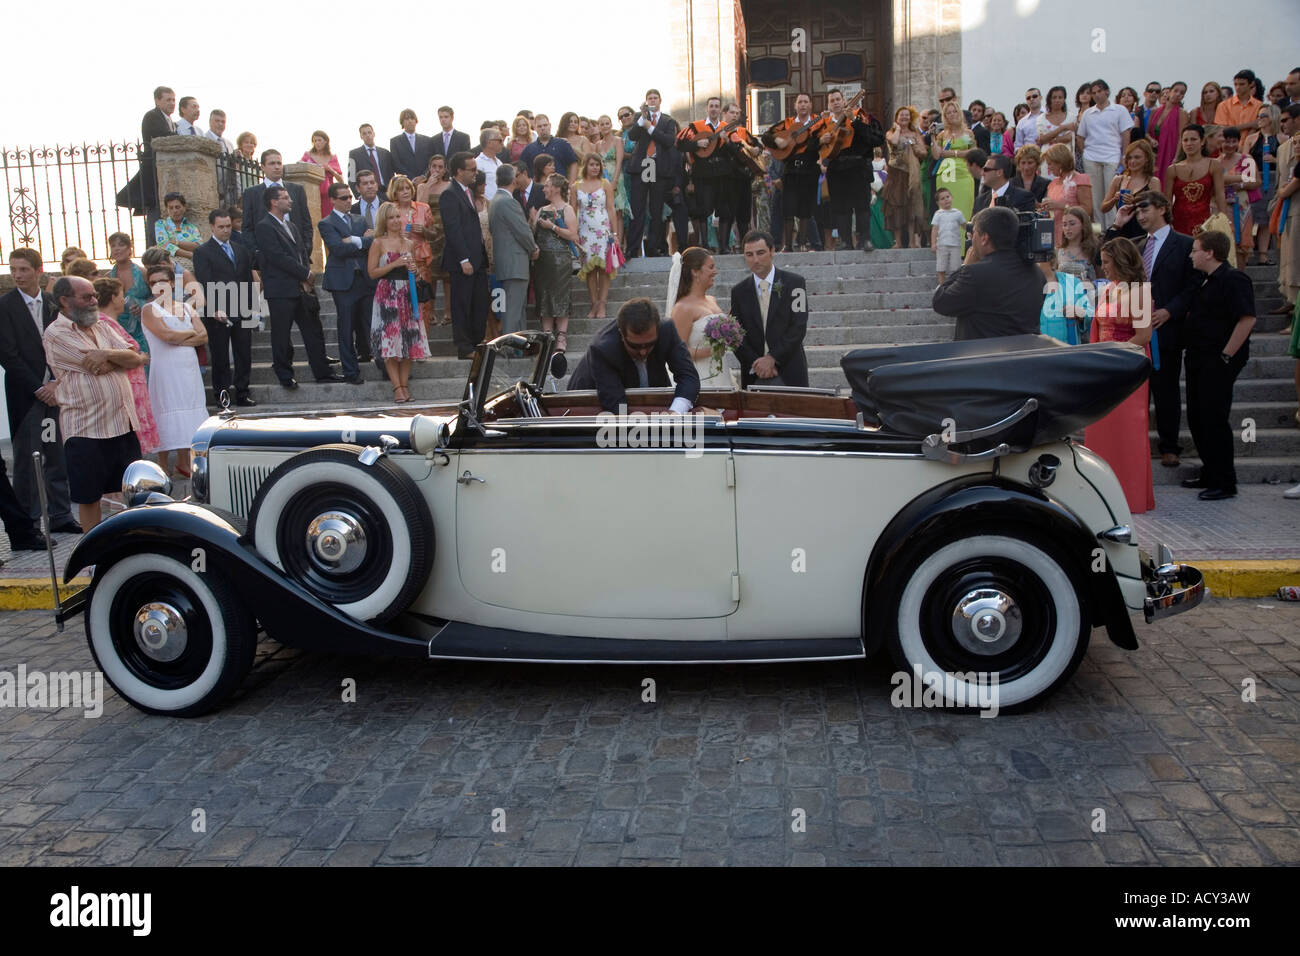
(370, 215)
(34, 307)
(764, 299)
(446, 143)
(374, 164)
(1149, 255)
(993, 200)
(642, 375)
(652, 148)
(230, 253)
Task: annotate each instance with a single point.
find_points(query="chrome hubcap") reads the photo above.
(986, 621)
(160, 631)
(337, 541)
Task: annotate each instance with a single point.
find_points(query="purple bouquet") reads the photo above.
(723, 332)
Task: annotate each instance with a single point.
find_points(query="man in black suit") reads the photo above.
(286, 280)
(347, 243)
(995, 292)
(653, 163)
(140, 194)
(524, 185)
(224, 268)
(25, 312)
(1166, 255)
(999, 189)
(636, 350)
(772, 305)
(448, 141)
(464, 256)
(255, 206)
(410, 150)
(370, 157)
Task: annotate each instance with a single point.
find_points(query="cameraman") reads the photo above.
(996, 291)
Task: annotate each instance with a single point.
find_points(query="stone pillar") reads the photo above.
(188, 165)
(309, 176)
(927, 51)
(703, 59)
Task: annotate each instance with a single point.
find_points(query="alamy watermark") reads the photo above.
(651, 430)
(961, 689)
(53, 690)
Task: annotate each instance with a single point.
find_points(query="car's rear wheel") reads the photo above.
(169, 639)
(359, 537)
(987, 604)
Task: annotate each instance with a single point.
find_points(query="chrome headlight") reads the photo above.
(143, 478)
(199, 473)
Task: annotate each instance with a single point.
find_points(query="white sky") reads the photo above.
(93, 77)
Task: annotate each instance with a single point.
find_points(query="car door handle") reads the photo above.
(466, 478)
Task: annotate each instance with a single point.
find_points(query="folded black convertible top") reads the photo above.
(916, 390)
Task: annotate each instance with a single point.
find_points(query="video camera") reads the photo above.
(1036, 238)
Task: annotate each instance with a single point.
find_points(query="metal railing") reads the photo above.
(61, 196)
(235, 173)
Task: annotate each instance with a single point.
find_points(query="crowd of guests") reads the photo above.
(486, 225)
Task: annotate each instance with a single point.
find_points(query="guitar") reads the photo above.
(841, 130)
(751, 157)
(714, 138)
(798, 139)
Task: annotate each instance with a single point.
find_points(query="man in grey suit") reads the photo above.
(513, 247)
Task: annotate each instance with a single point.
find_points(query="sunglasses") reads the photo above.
(641, 346)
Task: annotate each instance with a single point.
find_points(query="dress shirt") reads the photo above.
(489, 166)
(1158, 237)
(272, 182)
(368, 211)
(346, 221)
(36, 307)
(226, 146)
(1027, 129)
(770, 279)
(446, 141)
(185, 128)
(410, 140)
(90, 406)
(1234, 112)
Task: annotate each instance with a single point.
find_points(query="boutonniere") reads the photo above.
(776, 288)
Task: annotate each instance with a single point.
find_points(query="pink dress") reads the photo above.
(1122, 437)
(1163, 128)
(148, 433)
(326, 207)
(1065, 189)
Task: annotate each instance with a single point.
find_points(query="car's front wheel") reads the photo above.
(169, 639)
(986, 605)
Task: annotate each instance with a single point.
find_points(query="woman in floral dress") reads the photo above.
(599, 255)
(396, 333)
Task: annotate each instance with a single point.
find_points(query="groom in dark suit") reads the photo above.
(225, 265)
(772, 353)
(636, 350)
(464, 256)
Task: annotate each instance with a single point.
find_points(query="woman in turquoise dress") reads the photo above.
(135, 289)
(628, 119)
(949, 146)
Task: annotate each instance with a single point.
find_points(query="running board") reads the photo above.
(459, 641)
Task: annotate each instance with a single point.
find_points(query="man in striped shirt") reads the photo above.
(89, 360)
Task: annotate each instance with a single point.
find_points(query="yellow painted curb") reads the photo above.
(34, 594)
(1249, 579)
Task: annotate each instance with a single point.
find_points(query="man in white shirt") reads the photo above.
(1027, 128)
(490, 144)
(1103, 134)
(367, 207)
(189, 110)
(216, 127)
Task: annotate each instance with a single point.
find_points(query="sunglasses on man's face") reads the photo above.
(641, 346)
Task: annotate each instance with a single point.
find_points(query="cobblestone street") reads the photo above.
(503, 764)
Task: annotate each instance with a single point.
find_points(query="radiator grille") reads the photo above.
(244, 482)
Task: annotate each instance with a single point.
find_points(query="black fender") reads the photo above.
(288, 612)
(988, 500)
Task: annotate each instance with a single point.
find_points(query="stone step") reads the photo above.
(1269, 442)
(1279, 470)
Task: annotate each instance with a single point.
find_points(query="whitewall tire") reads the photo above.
(169, 639)
(359, 537)
(984, 604)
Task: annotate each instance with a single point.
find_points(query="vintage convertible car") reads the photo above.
(934, 507)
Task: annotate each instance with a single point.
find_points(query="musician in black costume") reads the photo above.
(706, 174)
(849, 173)
(799, 183)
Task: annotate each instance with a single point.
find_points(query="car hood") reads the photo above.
(271, 430)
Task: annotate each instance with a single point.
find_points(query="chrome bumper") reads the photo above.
(1171, 588)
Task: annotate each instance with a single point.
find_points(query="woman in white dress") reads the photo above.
(175, 383)
(693, 307)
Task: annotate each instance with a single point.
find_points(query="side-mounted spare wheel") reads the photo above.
(359, 537)
(1002, 602)
(169, 639)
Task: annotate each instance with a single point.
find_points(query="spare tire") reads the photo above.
(359, 537)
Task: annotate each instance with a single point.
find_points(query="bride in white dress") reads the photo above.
(175, 381)
(691, 309)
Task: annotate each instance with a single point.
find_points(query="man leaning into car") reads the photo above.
(995, 292)
(636, 350)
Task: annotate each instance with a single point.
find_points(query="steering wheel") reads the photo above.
(526, 399)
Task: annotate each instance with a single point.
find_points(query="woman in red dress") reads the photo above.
(321, 155)
(1122, 438)
(1194, 184)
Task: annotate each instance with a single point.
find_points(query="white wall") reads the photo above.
(1009, 45)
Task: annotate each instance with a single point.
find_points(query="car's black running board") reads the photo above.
(459, 641)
